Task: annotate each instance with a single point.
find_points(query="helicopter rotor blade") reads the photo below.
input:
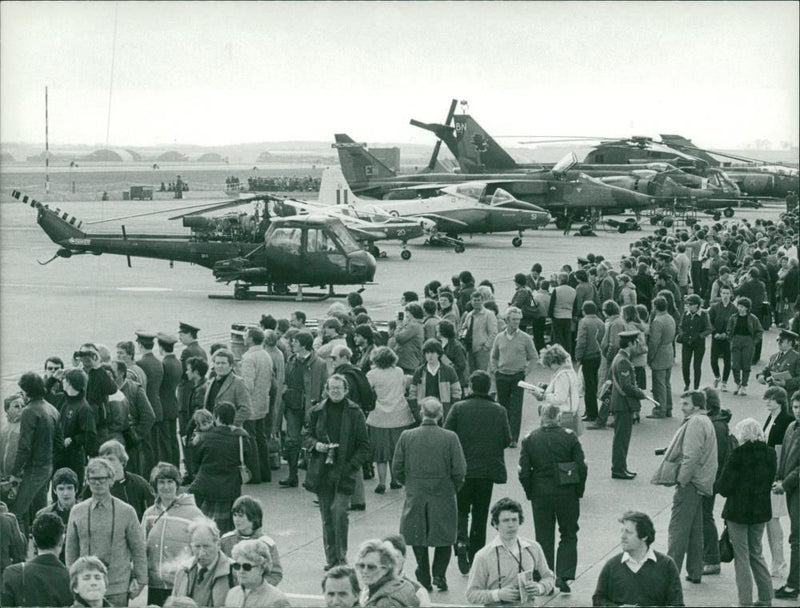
(227, 204)
(450, 113)
(145, 214)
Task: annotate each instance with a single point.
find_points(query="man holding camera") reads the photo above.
(336, 437)
(783, 368)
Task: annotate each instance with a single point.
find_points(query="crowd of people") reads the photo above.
(282, 183)
(131, 471)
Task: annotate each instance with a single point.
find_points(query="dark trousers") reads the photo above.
(169, 437)
(475, 496)
(294, 425)
(147, 457)
(721, 349)
(257, 430)
(335, 524)
(562, 333)
(156, 444)
(509, 395)
(537, 329)
(441, 559)
(31, 496)
(697, 277)
(710, 537)
(623, 426)
(157, 597)
(563, 508)
(589, 369)
(793, 504)
(692, 353)
(640, 373)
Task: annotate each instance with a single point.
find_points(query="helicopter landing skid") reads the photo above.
(279, 293)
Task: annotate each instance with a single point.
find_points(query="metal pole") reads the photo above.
(46, 146)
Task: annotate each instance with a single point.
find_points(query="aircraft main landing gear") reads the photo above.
(517, 241)
(405, 254)
(241, 291)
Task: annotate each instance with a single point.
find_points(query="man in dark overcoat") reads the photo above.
(430, 463)
(332, 471)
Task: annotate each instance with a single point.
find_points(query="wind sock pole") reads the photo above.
(46, 147)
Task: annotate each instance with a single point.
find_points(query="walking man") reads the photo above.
(513, 358)
(336, 437)
(430, 463)
(483, 430)
(694, 446)
(719, 313)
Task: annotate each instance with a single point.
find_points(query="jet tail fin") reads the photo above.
(358, 165)
(477, 150)
(334, 189)
(58, 225)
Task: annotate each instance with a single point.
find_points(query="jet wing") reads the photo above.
(445, 223)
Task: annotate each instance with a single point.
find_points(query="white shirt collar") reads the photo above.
(523, 542)
(650, 555)
(433, 371)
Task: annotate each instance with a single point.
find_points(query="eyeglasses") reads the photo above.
(368, 567)
(97, 479)
(246, 567)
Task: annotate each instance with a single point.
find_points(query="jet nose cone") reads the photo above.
(362, 266)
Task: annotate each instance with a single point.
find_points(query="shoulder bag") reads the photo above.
(566, 473)
(572, 419)
(725, 547)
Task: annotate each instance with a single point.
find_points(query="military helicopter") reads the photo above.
(265, 252)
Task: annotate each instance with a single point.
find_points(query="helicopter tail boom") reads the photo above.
(58, 225)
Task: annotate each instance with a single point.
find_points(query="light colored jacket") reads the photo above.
(563, 389)
(167, 537)
(661, 342)
(562, 301)
(484, 329)
(694, 445)
(256, 368)
(590, 334)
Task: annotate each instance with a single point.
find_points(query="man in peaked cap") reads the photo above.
(187, 334)
(625, 397)
(173, 372)
(155, 373)
(786, 360)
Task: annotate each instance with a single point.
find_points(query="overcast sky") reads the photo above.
(723, 74)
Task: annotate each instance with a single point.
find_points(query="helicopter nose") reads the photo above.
(361, 265)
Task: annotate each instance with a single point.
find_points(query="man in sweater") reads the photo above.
(480, 328)
(694, 446)
(639, 576)
(109, 529)
(562, 301)
(482, 428)
(513, 358)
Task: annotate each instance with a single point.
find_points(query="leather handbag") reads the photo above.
(243, 470)
(725, 546)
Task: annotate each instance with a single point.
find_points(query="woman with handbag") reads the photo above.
(220, 458)
(564, 387)
(552, 470)
(746, 482)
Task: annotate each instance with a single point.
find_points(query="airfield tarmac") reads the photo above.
(53, 309)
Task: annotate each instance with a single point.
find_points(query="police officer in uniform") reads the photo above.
(187, 334)
(173, 372)
(154, 371)
(625, 398)
(786, 360)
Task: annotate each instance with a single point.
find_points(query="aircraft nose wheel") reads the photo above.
(405, 254)
(459, 248)
(516, 241)
(728, 212)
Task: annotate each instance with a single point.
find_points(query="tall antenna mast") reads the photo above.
(46, 146)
